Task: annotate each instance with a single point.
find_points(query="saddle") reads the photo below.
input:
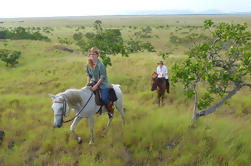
(111, 95)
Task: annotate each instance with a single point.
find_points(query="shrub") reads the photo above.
(10, 57)
(77, 36)
(21, 33)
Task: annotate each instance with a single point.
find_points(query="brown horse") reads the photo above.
(160, 85)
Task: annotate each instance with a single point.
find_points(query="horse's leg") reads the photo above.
(73, 125)
(162, 97)
(119, 106)
(159, 98)
(91, 121)
(107, 125)
(163, 89)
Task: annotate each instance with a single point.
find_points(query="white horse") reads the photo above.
(83, 103)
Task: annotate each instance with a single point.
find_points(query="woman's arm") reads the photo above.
(97, 84)
(88, 80)
(158, 71)
(165, 70)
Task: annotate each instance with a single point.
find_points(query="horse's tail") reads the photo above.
(119, 103)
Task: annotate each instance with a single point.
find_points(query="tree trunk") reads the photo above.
(213, 108)
(195, 104)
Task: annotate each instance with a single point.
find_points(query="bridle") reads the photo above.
(62, 101)
(154, 79)
(64, 107)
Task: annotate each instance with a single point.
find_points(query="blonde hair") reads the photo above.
(94, 50)
(90, 63)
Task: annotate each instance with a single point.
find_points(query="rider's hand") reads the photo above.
(95, 87)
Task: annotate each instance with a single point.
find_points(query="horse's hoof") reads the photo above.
(79, 140)
(91, 143)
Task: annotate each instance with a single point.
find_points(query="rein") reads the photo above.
(64, 108)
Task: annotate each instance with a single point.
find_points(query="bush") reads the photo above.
(64, 40)
(10, 57)
(189, 39)
(21, 33)
(77, 36)
(144, 33)
(134, 45)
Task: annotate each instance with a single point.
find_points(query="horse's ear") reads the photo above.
(52, 96)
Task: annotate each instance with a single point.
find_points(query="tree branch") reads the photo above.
(249, 85)
(216, 40)
(219, 90)
(244, 74)
(213, 108)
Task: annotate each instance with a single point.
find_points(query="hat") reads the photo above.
(160, 62)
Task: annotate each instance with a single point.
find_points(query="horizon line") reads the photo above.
(235, 13)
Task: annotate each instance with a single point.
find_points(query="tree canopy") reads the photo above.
(10, 57)
(19, 33)
(110, 42)
(221, 63)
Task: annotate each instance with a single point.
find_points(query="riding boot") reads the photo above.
(167, 86)
(110, 109)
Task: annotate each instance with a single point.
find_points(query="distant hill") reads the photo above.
(167, 12)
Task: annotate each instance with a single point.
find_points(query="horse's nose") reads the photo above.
(154, 87)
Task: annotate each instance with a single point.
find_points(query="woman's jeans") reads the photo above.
(104, 95)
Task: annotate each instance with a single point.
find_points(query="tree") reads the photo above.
(77, 36)
(97, 25)
(10, 57)
(135, 45)
(146, 32)
(19, 33)
(109, 42)
(222, 64)
(164, 54)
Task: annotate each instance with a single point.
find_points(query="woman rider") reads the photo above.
(96, 74)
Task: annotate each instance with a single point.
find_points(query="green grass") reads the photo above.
(176, 20)
(152, 135)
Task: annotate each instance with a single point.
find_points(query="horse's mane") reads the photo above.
(73, 96)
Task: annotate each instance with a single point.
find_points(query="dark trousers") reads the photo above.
(167, 85)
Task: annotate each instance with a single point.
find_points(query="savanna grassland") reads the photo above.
(151, 136)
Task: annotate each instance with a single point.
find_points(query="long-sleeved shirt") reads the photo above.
(97, 73)
(162, 72)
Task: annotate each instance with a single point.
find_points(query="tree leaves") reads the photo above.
(19, 33)
(220, 64)
(110, 42)
(10, 57)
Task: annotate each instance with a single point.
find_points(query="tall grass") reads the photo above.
(152, 135)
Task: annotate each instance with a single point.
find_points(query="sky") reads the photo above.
(51, 8)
